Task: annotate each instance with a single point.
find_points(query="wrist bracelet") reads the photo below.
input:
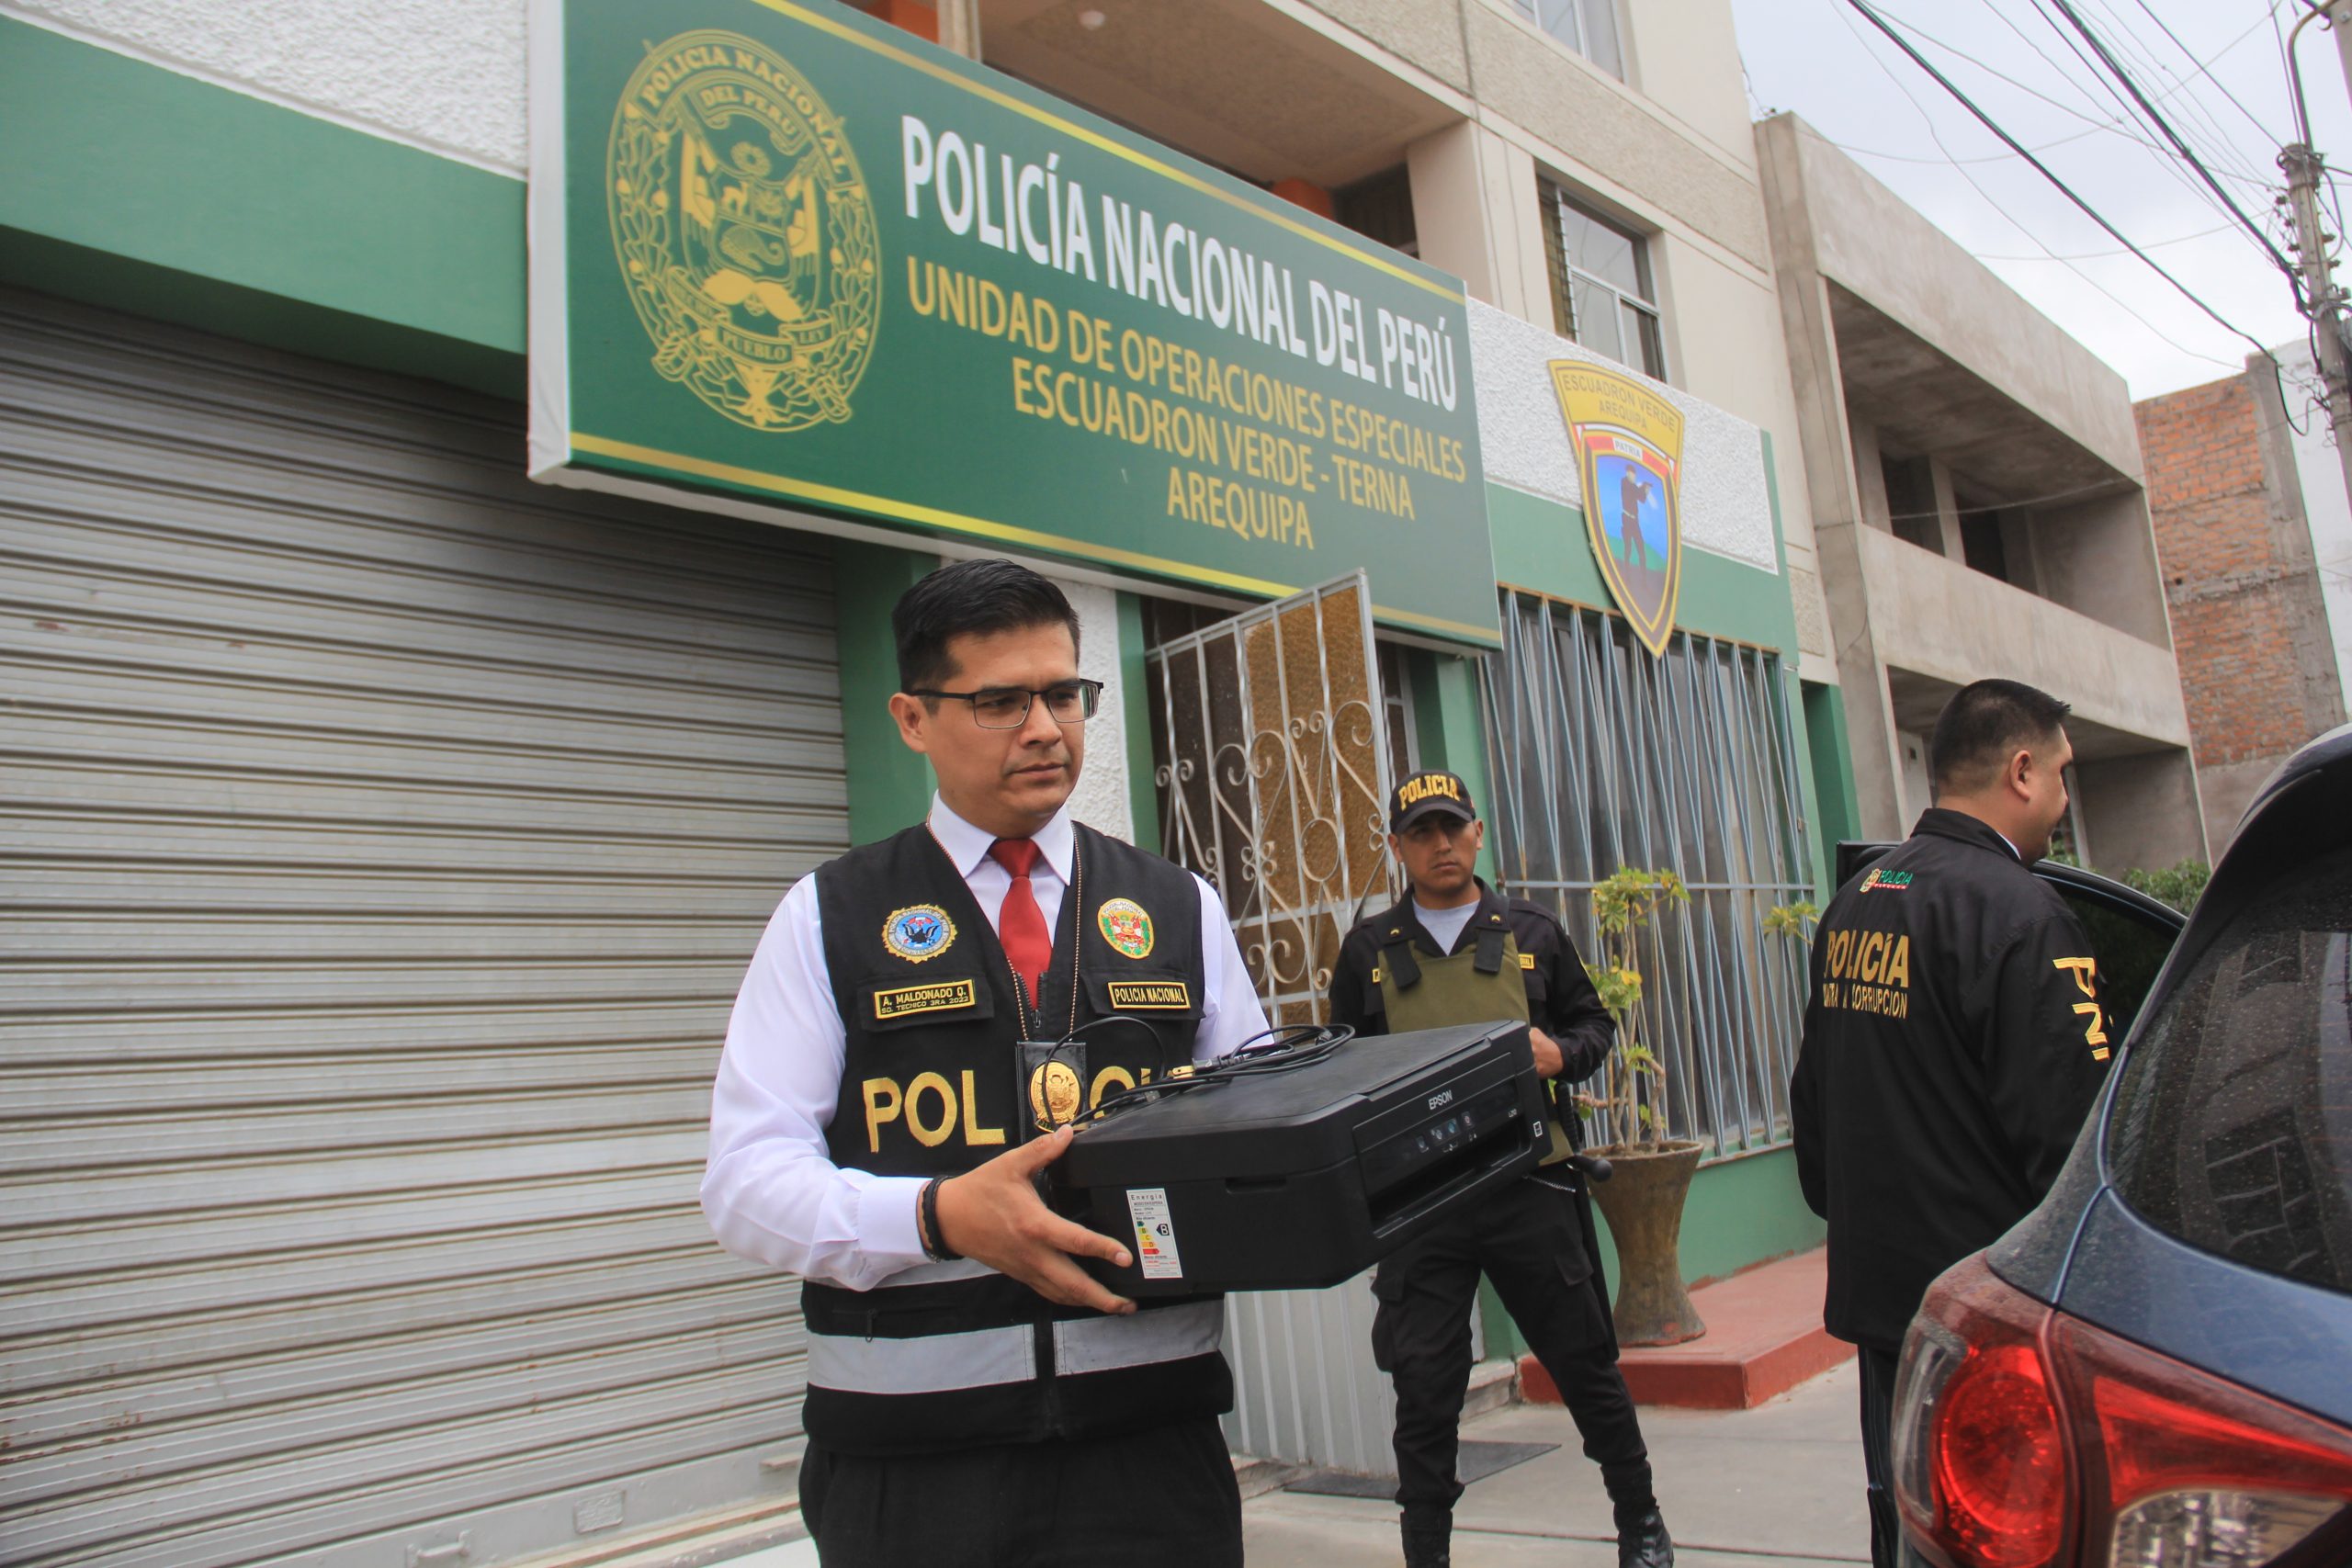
(934, 1245)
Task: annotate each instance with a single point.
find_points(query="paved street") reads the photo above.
(1778, 1486)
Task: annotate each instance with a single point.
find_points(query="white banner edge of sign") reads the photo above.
(548, 306)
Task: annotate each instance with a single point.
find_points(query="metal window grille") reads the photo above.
(1604, 757)
(1617, 316)
(1274, 764)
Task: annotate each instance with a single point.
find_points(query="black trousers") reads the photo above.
(1878, 1367)
(1529, 1240)
(1160, 1498)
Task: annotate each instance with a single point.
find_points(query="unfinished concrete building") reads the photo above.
(1978, 506)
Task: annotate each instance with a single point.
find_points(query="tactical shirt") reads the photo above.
(1560, 998)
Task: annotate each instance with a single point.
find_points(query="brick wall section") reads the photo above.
(2229, 587)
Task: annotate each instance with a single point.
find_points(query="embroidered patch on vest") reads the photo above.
(920, 933)
(1127, 927)
(947, 996)
(1145, 994)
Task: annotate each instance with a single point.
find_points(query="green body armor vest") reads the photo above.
(1482, 980)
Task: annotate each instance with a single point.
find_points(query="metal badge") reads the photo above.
(1051, 1079)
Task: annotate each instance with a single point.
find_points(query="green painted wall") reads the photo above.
(1741, 1211)
(1450, 725)
(157, 193)
(1541, 543)
(1840, 814)
(889, 787)
(1143, 795)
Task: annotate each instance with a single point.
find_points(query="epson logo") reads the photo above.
(1440, 1101)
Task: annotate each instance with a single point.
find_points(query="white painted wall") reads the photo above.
(1101, 800)
(444, 76)
(1727, 509)
(2325, 503)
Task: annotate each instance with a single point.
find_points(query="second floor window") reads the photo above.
(1588, 27)
(1602, 295)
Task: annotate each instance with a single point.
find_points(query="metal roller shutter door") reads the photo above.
(385, 837)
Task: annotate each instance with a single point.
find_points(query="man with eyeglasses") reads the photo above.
(924, 1020)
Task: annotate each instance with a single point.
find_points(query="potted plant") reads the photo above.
(1651, 1172)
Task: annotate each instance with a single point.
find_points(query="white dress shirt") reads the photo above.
(771, 1190)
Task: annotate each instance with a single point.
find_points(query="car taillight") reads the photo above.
(2183, 1470)
(1981, 1471)
(2026, 1438)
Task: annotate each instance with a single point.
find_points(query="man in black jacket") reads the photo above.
(1456, 952)
(1954, 1041)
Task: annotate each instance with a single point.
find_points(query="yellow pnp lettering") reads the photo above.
(2084, 970)
(931, 1135)
(976, 1135)
(1119, 1075)
(882, 1104)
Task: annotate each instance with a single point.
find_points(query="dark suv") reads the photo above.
(2153, 1369)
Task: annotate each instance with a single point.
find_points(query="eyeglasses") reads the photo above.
(1007, 708)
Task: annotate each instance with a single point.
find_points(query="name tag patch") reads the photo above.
(945, 995)
(1146, 994)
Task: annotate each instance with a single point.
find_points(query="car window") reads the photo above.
(2232, 1126)
(2130, 953)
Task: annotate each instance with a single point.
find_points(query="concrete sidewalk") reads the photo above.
(1777, 1486)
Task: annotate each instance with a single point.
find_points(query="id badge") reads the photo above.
(1049, 1080)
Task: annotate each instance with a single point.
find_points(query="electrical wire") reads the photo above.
(2091, 129)
(2066, 9)
(2205, 68)
(2193, 115)
(2122, 125)
(1872, 17)
(2119, 251)
(2090, 69)
(2195, 124)
(1285, 1053)
(1999, 210)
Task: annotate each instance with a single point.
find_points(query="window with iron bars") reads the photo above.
(1604, 757)
(1602, 295)
(1588, 27)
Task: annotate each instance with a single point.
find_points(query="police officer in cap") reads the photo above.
(1954, 1041)
(921, 1021)
(1456, 952)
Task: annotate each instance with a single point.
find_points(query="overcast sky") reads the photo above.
(1821, 59)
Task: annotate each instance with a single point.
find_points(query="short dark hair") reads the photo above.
(969, 598)
(1985, 723)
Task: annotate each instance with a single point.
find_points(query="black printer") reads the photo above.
(1300, 1167)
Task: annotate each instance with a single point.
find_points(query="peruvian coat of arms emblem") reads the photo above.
(745, 232)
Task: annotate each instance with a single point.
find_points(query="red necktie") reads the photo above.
(1021, 925)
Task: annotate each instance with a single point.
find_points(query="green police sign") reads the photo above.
(785, 255)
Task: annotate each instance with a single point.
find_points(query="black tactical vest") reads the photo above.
(934, 1082)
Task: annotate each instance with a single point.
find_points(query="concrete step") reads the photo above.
(1764, 1337)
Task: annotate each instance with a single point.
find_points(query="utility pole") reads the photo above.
(2323, 301)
